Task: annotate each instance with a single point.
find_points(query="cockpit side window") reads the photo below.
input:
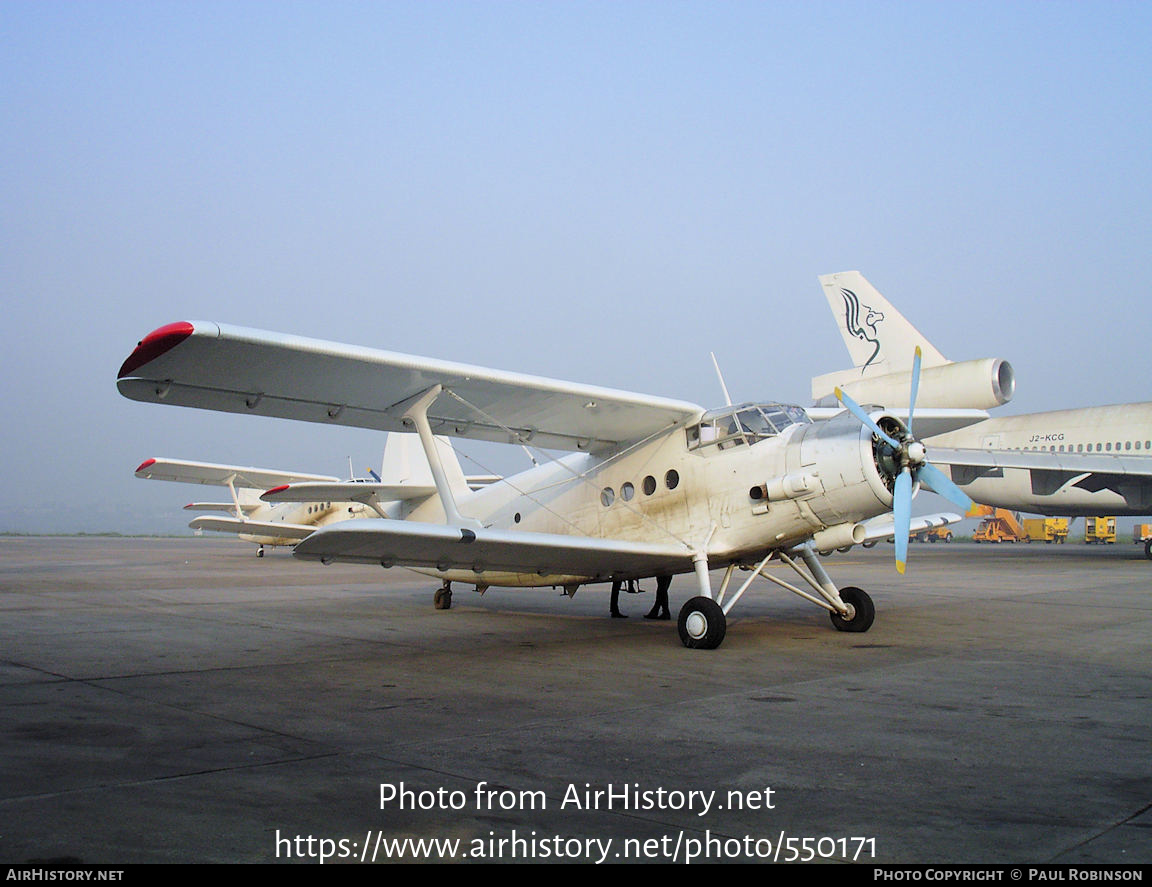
(745, 424)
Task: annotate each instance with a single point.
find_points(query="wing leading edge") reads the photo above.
(237, 370)
(487, 551)
(240, 476)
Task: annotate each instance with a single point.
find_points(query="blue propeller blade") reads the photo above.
(902, 516)
(858, 411)
(936, 480)
(915, 386)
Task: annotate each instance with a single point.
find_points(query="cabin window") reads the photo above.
(649, 485)
(627, 492)
(607, 496)
(672, 479)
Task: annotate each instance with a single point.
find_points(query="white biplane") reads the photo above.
(245, 516)
(272, 507)
(649, 486)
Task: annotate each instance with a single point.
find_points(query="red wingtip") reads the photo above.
(275, 490)
(156, 343)
(145, 464)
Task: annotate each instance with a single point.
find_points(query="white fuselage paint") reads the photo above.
(313, 514)
(710, 503)
(1119, 430)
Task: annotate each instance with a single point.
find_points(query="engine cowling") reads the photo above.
(970, 384)
(856, 471)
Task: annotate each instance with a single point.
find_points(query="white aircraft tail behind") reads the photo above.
(882, 342)
(879, 338)
(405, 464)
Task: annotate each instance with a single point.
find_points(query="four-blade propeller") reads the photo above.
(912, 458)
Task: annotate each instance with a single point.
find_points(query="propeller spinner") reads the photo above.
(912, 458)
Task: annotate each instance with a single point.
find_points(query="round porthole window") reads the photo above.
(672, 479)
(607, 496)
(627, 492)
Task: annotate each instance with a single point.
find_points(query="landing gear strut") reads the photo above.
(703, 620)
(442, 600)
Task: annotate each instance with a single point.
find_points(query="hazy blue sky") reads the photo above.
(602, 192)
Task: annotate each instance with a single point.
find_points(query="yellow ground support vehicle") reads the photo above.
(1142, 534)
(1099, 530)
(1000, 525)
(934, 534)
(1046, 529)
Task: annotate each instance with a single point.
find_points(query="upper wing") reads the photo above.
(440, 547)
(223, 475)
(237, 370)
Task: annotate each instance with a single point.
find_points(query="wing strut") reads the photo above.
(416, 413)
(235, 498)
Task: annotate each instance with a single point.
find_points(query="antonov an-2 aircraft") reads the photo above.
(260, 523)
(1078, 462)
(650, 486)
(273, 507)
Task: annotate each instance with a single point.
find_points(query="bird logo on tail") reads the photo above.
(853, 309)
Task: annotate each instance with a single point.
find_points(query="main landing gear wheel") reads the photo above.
(864, 612)
(442, 600)
(701, 624)
(1148, 549)
(260, 551)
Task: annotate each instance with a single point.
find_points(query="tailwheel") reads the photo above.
(702, 624)
(442, 600)
(861, 611)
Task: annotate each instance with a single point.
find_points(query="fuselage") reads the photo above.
(711, 485)
(311, 514)
(1121, 429)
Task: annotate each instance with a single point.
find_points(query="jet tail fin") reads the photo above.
(405, 463)
(879, 338)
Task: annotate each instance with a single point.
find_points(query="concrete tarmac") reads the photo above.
(180, 700)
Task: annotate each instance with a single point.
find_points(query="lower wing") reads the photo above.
(445, 548)
(275, 529)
